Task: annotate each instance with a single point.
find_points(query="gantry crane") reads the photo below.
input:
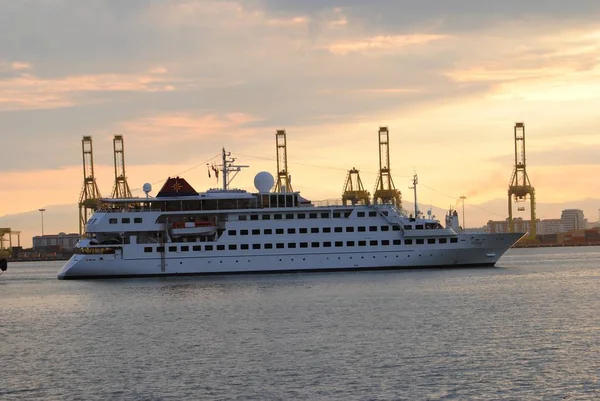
(121, 188)
(520, 186)
(284, 180)
(354, 192)
(6, 235)
(385, 191)
(90, 194)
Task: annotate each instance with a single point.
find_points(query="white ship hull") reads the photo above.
(471, 250)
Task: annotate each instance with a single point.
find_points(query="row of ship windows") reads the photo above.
(125, 220)
(313, 215)
(292, 245)
(277, 216)
(138, 220)
(312, 230)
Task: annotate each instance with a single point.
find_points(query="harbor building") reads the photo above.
(573, 219)
(57, 242)
(570, 220)
(551, 226)
(503, 226)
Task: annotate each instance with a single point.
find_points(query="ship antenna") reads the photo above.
(415, 181)
(224, 155)
(227, 167)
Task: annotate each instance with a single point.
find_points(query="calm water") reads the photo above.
(529, 329)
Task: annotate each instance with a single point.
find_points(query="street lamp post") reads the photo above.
(42, 212)
(463, 210)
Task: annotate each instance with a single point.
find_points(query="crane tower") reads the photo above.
(90, 194)
(385, 191)
(121, 188)
(284, 180)
(6, 235)
(354, 192)
(520, 186)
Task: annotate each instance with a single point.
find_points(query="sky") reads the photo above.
(180, 79)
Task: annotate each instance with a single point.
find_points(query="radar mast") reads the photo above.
(228, 167)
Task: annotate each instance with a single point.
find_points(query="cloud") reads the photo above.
(444, 16)
(566, 154)
(186, 126)
(182, 78)
(28, 91)
(13, 67)
(381, 43)
(559, 66)
(288, 21)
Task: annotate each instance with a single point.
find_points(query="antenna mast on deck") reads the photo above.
(414, 188)
(354, 192)
(520, 186)
(228, 167)
(90, 194)
(121, 188)
(284, 180)
(385, 191)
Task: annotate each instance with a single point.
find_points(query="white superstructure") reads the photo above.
(182, 232)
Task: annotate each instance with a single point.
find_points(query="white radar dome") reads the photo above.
(264, 181)
(147, 188)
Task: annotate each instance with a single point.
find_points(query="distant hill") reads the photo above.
(65, 218)
(57, 218)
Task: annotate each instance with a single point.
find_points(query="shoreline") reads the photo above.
(37, 259)
(554, 245)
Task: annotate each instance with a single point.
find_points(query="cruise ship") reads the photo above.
(230, 231)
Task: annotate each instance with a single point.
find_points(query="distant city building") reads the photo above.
(498, 226)
(551, 226)
(502, 226)
(573, 219)
(476, 230)
(60, 241)
(570, 220)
